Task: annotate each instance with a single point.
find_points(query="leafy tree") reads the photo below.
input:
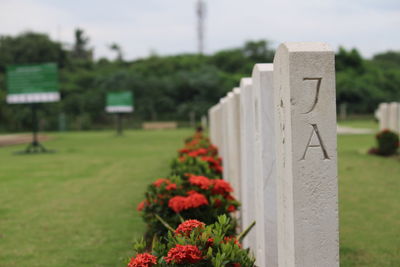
(30, 48)
(171, 87)
(118, 50)
(349, 60)
(80, 49)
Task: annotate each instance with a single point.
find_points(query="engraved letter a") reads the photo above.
(321, 144)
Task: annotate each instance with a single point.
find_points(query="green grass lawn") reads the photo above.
(369, 193)
(360, 123)
(77, 207)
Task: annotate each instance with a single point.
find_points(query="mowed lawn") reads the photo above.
(77, 207)
(369, 202)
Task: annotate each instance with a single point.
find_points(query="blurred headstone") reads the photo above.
(247, 183)
(204, 122)
(233, 118)
(393, 124)
(383, 116)
(265, 166)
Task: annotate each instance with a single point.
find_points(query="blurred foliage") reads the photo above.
(169, 87)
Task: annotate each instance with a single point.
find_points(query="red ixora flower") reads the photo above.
(182, 254)
(177, 203)
(191, 192)
(161, 181)
(221, 187)
(142, 205)
(214, 163)
(194, 200)
(143, 260)
(231, 208)
(184, 151)
(171, 187)
(200, 181)
(187, 227)
(198, 152)
(218, 168)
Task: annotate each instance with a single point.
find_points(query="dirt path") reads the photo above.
(350, 130)
(16, 139)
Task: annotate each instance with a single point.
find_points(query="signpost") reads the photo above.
(33, 84)
(119, 103)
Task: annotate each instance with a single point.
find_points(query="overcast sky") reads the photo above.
(169, 26)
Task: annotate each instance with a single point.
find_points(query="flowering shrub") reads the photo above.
(388, 143)
(143, 260)
(195, 197)
(198, 156)
(194, 243)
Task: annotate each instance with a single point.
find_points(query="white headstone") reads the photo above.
(218, 128)
(265, 165)
(203, 122)
(377, 113)
(247, 187)
(211, 121)
(393, 124)
(224, 137)
(234, 140)
(305, 125)
(398, 118)
(384, 116)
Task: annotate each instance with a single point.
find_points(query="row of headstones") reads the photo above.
(388, 115)
(277, 137)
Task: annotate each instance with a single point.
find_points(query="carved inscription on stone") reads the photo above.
(318, 86)
(315, 139)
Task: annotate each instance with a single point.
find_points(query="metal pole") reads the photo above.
(35, 126)
(119, 123)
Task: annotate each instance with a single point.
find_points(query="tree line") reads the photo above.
(169, 87)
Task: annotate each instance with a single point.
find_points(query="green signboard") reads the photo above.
(32, 83)
(119, 102)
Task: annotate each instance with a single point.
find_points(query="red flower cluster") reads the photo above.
(143, 260)
(177, 203)
(201, 148)
(231, 208)
(161, 181)
(142, 205)
(184, 254)
(200, 181)
(215, 164)
(184, 151)
(198, 152)
(221, 187)
(187, 227)
(194, 200)
(171, 187)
